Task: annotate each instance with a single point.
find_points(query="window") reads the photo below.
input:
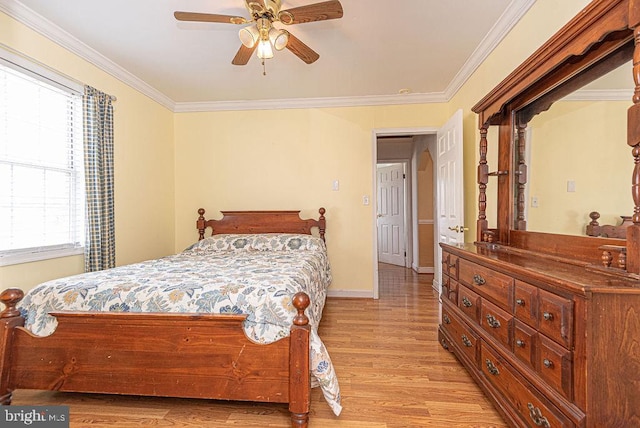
(41, 163)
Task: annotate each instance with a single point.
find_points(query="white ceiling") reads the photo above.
(378, 48)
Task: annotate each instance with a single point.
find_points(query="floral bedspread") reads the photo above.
(255, 275)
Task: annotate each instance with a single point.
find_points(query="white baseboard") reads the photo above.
(435, 285)
(354, 294)
(423, 269)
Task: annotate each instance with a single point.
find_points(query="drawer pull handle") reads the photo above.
(536, 416)
(466, 341)
(446, 319)
(547, 363)
(444, 344)
(452, 266)
(548, 316)
(466, 302)
(520, 343)
(520, 302)
(478, 280)
(492, 368)
(492, 321)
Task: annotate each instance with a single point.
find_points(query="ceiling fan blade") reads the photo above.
(301, 50)
(313, 12)
(243, 55)
(209, 17)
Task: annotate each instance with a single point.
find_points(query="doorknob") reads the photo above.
(458, 229)
(379, 215)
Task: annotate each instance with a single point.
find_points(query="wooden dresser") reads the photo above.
(549, 324)
(548, 342)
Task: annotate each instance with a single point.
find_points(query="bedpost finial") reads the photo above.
(301, 302)
(11, 297)
(322, 222)
(201, 224)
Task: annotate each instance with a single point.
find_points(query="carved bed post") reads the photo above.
(299, 375)
(322, 223)
(9, 319)
(201, 223)
(483, 179)
(633, 139)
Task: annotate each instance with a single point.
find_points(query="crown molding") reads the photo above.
(294, 103)
(510, 17)
(36, 22)
(601, 95)
(515, 11)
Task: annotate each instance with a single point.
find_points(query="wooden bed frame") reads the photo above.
(608, 230)
(166, 354)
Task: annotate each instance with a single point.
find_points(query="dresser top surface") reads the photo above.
(535, 267)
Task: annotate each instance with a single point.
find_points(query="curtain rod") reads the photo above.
(19, 54)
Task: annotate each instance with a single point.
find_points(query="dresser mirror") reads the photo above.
(605, 177)
(577, 160)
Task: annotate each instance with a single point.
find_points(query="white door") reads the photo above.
(449, 189)
(391, 240)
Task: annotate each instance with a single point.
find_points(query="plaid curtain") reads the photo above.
(100, 251)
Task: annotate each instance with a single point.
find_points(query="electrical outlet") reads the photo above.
(365, 200)
(335, 185)
(534, 202)
(571, 186)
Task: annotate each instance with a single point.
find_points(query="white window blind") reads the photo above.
(41, 168)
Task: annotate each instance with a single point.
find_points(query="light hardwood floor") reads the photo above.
(392, 372)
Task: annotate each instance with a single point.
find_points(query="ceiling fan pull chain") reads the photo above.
(264, 68)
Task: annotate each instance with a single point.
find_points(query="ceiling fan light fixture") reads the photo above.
(249, 36)
(264, 49)
(279, 38)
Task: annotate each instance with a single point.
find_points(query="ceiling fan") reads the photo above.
(262, 36)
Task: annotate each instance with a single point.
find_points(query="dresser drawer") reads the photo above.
(465, 339)
(526, 303)
(450, 265)
(533, 409)
(555, 366)
(496, 322)
(446, 281)
(469, 303)
(488, 283)
(555, 315)
(450, 291)
(525, 341)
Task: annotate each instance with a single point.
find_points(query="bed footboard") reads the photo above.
(159, 354)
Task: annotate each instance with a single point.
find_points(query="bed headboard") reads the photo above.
(608, 230)
(261, 222)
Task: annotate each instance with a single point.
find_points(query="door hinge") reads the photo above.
(405, 254)
(404, 176)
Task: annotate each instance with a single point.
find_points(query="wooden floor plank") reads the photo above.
(393, 373)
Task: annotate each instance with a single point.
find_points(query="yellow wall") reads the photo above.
(287, 159)
(426, 200)
(144, 163)
(542, 20)
(574, 141)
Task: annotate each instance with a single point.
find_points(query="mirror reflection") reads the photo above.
(578, 160)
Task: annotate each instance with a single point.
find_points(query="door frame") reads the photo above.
(409, 225)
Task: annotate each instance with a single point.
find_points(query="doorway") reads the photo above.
(405, 145)
(391, 210)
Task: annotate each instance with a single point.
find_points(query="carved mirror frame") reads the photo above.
(603, 36)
